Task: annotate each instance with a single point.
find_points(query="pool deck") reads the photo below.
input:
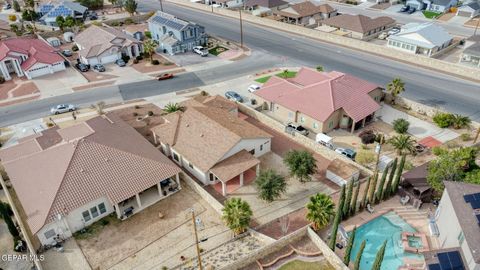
(418, 219)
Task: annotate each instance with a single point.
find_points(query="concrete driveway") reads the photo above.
(59, 83)
(418, 127)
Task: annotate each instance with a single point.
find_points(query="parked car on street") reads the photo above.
(99, 67)
(82, 67)
(346, 152)
(7, 6)
(200, 50)
(412, 10)
(120, 63)
(252, 88)
(63, 108)
(67, 53)
(404, 8)
(232, 95)
(296, 128)
(165, 76)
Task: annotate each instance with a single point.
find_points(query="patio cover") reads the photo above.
(234, 165)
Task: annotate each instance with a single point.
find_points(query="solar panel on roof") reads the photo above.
(477, 196)
(468, 198)
(444, 261)
(449, 261)
(475, 204)
(434, 267)
(478, 218)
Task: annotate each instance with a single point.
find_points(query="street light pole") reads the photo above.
(196, 240)
(478, 23)
(161, 6)
(241, 28)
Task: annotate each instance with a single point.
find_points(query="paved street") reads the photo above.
(269, 49)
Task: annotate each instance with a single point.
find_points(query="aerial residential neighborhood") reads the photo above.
(240, 134)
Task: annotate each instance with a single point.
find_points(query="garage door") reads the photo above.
(108, 59)
(36, 72)
(464, 14)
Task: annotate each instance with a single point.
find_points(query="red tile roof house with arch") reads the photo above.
(68, 178)
(28, 57)
(321, 101)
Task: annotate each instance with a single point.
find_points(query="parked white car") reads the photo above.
(383, 35)
(200, 50)
(63, 108)
(252, 88)
(393, 31)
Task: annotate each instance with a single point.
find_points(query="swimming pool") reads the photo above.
(387, 227)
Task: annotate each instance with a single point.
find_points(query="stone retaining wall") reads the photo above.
(331, 257)
(418, 60)
(216, 205)
(305, 141)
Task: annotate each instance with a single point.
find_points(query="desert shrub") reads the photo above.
(203, 93)
(129, 21)
(137, 107)
(140, 57)
(466, 137)
(150, 113)
(135, 114)
(2, 79)
(75, 48)
(135, 61)
(155, 62)
(438, 150)
(365, 157)
(401, 125)
(443, 120)
(12, 17)
(368, 138)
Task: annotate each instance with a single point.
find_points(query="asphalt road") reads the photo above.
(271, 48)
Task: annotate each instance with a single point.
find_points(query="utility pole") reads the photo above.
(478, 23)
(196, 240)
(241, 28)
(161, 5)
(478, 132)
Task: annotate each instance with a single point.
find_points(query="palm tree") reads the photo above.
(149, 47)
(320, 210)
(403, 144)
(459, 121)
(99, 107)
(270, 185)
(395, 87)
(236, 215)
(172, 107)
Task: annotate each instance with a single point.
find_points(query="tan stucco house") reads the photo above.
(66, 179)
(211, 142)
(321, 101)
(358, 26)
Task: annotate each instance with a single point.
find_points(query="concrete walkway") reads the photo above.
(418, 127)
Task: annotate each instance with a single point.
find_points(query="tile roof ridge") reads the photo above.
(175, 135)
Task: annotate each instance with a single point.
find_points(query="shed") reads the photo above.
(470, 10)
(54, 41)
(384, 162)
(68, 36)
(341, 172)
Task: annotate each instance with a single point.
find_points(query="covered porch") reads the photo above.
(415, 185)
(351, 124)
(235, 171)
(147, 197)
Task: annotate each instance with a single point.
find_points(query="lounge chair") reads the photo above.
(370, 209)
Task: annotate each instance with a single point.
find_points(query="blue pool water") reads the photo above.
(387, 227)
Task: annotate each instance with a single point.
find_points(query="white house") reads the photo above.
(426, 39)
(28, 57)
(469, 10)
(213, 143)
(103, 45)
(458, 221)
(68, 178)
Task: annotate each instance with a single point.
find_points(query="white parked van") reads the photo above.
(325, 140)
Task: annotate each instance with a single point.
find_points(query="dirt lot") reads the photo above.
(144, 66)
(119, 241)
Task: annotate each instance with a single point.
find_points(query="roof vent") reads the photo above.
(106, 159)
(201, 135)
(82, 170)
(187, 125)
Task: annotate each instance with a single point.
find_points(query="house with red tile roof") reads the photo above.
(28, 57)
(66, 179)
(305, 13)
(211, 142)
(321, 101)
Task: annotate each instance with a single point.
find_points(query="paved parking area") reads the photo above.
(189, 58)
(59, 83)
(418, 127)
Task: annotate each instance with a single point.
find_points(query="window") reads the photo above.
(94, 211)
(460, 238)
(315, 125)
(102, 208)
(190, 165)
(49, 234)
(290, 115)
(261, 147)
(86, 216)
(302, 119)
(175, 156)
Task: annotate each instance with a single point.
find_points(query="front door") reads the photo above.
(10, 66)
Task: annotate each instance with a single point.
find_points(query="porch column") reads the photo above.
(18, 69)
(353, 126)
(241, 179)
(117, 210)
(4, 70)
(138, 200)
(257, 171)
(159, 189)
(363, 121)
(177, 178)
(154, 138)
(224, 188)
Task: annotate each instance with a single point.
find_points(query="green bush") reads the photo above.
(155, 62)
(148, 34)
(150, 113)
(443, 120)
(466, 137)
(401, 125)
(129, 21)
(104, 222)
(438, 150)
(2, 79)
